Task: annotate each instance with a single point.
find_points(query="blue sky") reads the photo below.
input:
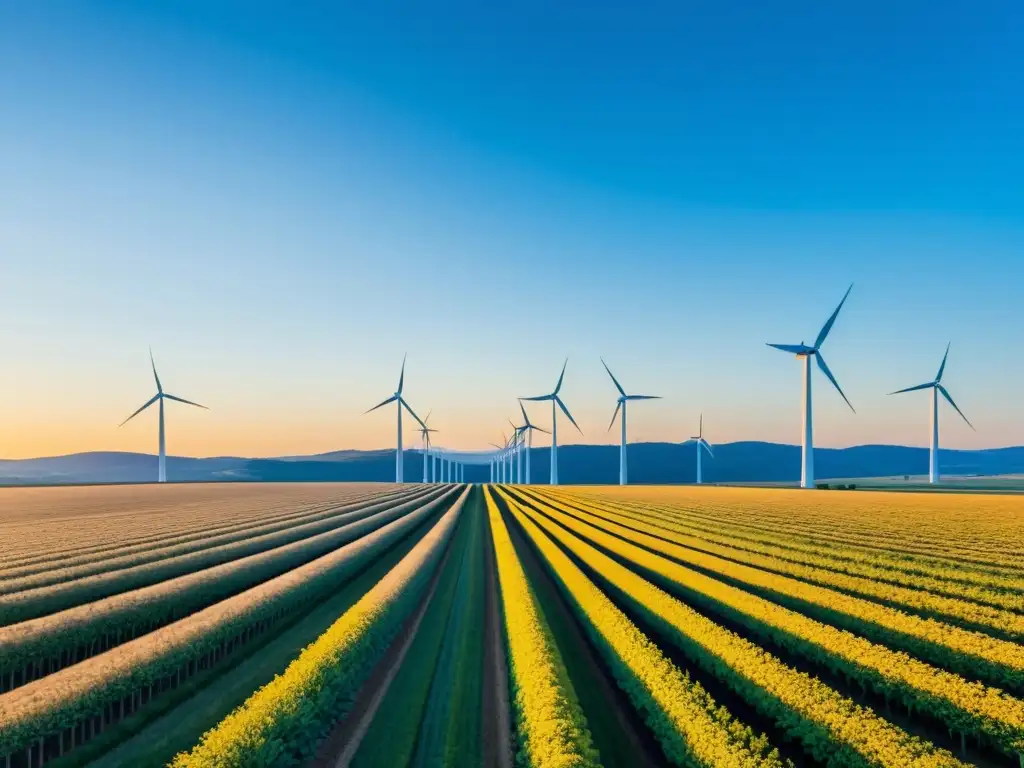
(283, 204)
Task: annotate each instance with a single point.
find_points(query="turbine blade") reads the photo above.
(793, 349)
(561, 376)
(643, 397)
(401, 378)
(828, 323)
(614, 380)
(707, 447)
(538, 429)
(526, 419)
(938, 376)
(153, 363)
(401, 401)
(538, 398)
(381, 405)
(700, 426)
(929, 385)
(428, 415)
(946, 395)
(618, 404)
(827, 372)
(568, 415)
(149, 402)
(183, 400)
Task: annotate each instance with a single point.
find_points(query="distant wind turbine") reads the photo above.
(936, 387)
(700, 442)
(801, 350)
(397, 398)
(160, 396)
(556, 400)
(529, 428)
(425, 434)
(500, 457)
(621, 403)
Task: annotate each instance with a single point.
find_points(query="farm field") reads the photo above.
(448, 625)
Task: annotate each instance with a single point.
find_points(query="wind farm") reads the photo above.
(551, 568)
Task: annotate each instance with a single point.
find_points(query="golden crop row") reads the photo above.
(1001, 623)
(968, 708)
(829, 725)
(682, 715)
(550, 726)
(999, 593)
(972, 654)
(286, 717)
(802, 537)
(876, 520)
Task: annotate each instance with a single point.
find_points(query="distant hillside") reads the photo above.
(648, 463)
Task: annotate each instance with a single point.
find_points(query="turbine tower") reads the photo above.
(621, 403)
(556, 401)
(529, 428)
(936, 388)
(160, 396)
(397, 398)
(701, 443)
(801, 350)
(425, 434)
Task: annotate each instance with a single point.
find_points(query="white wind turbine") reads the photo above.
(556, 400)
(621, 403)
(700, 443)
(529, 428)
(397, 398)
(500, 458)
(801, 350)
(425, 434)
(160, 396)
(936, 388)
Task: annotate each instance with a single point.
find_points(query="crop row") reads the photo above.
(833, 729)
(947, 582)
(971, 654)
(281, 723)
(995, 621)
(971, 709)
(689, 725)
(799, 540)
(117, 555)
(865, 519)
(32, 649)
(92, 688)
(551, 730)
(124, 515)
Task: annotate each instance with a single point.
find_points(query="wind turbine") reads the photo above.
(556, 400)
(701, 443)
(529, 428)
(160, 396)
(801, 350)
(425, 434)
(936, 387)
(397, 398)
(621, 403)
(518, 442)
(500, 457)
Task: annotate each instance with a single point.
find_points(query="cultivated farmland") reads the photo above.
(446, 625)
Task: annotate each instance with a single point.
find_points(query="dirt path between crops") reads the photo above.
(497, 720)
(341, 745)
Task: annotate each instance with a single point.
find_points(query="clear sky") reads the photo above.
(283, 199)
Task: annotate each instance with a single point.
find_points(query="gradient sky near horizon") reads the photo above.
(283, 199)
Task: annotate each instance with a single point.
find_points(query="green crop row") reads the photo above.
(280, 724)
